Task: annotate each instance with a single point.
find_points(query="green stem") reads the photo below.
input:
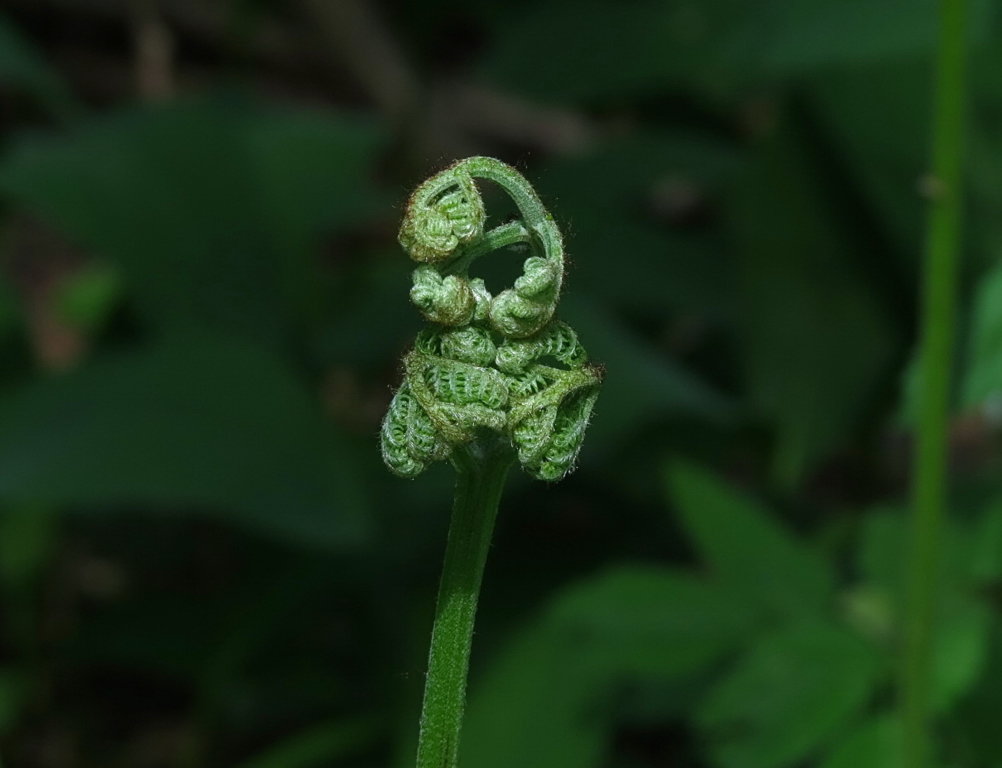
(529, 205)
(480, 476)
(937, 329)
(512, 233)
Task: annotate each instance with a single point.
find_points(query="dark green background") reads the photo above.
(202, 309)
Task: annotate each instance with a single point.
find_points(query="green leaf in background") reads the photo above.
(313, 174)
(970, 557)
(653, 621)
(591, 51)
(815, 340)
(984, 228)
(23, 67)
(976, 721)
(86, 298)
(10, 313)
(880, 552)
(212, 210)
(788, 696)
(373, 302)
(961, 651)
(981, 384)
(964, 619)
(658, 268)
(12, 695)
(536, 707)
(27, 540)
(317, 746)
(209, 423)
(744, 547)
(868, 112)
(875, 744)
(984, 555)
(641, 384)
(545, 702)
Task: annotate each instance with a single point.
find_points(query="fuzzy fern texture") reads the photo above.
(487, 364)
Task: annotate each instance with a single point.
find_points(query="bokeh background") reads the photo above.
(202, 309)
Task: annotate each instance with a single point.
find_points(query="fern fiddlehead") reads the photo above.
(471, 370)
(494, 378)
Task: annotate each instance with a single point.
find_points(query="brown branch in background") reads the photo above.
(491, 113)
(344, 42)
(268, 42)
(361, 43)
(446, 118)
(153, 48)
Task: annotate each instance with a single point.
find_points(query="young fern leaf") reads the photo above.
(499, 363)
(493, 378)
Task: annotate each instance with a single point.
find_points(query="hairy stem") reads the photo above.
(938, 310)
(480, 475)
(512, 233)
(536, 216)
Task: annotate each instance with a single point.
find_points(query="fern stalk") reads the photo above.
(494, 378)
(938, 309)
(480, 476)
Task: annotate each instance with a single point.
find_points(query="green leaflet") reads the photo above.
(546, 702)
(745, 548)
(599, 52)
(788, 696)
(132, 188)
(207, 423)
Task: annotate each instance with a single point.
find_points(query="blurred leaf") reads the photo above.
(871, 611)
(982, 378)
(23, 66)
(10, 313)
(86, 298)
(536, 707)
(593, 50)
(544, 702)
(960, 653)
(869, 112)
(963, 620)
(212, 210)
(317, 746)
(12, 695)
(966, 559)
(881, 551)
(815, 339)
(641, 384)
(985, 555)
(977, 718)
(875, 744)
(207, 423)
(788, 696)
(744, 546)
(606, 202)
(313, 172)
(983, 227)
(27, 537)
(169, 636)
(652, 621)
(375, 299)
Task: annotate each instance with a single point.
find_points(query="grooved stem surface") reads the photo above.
(479, 482)
(936, 360)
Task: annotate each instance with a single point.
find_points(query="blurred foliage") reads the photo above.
(202, 310)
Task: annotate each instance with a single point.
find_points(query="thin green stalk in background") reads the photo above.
(937, 330)
(480, 476)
